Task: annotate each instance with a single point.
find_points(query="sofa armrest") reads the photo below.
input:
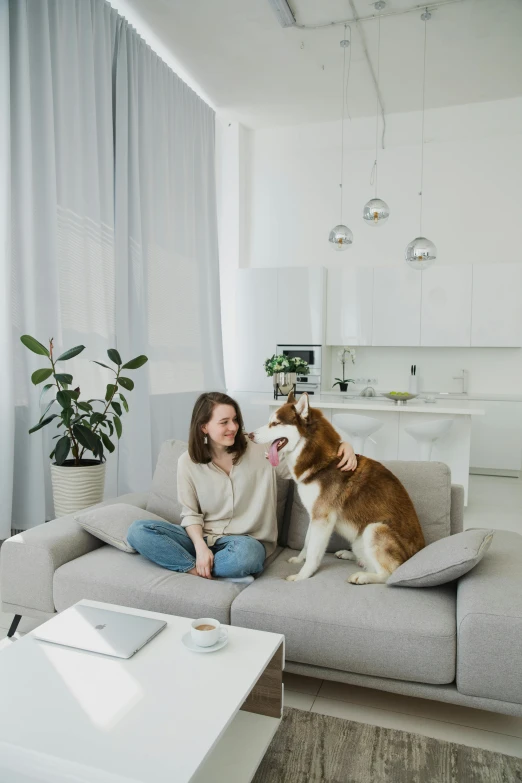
(489, 623)
(29, 559)
(457, 509)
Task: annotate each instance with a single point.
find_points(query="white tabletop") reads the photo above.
(440, 407)
(69, 715)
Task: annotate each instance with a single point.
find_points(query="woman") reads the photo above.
(228, 492)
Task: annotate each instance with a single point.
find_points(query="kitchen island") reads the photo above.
(392, 441)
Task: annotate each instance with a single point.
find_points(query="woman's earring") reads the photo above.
(205, 439)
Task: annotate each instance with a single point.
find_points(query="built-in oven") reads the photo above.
(313, 355)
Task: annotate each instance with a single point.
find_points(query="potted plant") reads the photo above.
(79, 481)
(284, 370)
(343, 357)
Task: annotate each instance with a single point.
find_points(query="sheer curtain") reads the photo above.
(110, 237)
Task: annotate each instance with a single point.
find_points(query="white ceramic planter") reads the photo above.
(76, 488)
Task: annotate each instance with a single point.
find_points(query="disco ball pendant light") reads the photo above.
(421, 252)
(376, 211)
(340, 236)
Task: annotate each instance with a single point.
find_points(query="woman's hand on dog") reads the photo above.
(348, 458)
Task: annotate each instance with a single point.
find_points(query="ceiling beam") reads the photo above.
(369, 17)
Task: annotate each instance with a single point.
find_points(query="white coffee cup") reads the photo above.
(205, 637)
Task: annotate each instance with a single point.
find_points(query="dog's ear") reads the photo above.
(303, 406)
(291, 397)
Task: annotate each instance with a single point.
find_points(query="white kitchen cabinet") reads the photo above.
(496, 311)
(300, 305)
(496, 438)
(396, 305)
(349, 306)
(256, 327)
(446, 305)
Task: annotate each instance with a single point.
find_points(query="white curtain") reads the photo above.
(110, 238)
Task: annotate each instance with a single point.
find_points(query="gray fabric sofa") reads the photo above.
(459, 643)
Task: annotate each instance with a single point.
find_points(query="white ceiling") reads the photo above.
(264, 75)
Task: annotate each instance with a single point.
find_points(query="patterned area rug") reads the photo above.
(312, 748)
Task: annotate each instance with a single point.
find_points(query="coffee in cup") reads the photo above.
(205, 632)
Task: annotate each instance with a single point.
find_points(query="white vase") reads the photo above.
(75, 488)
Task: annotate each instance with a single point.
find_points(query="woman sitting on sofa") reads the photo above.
(228, 493)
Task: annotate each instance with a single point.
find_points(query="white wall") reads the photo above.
(472, 176)
(472, 186)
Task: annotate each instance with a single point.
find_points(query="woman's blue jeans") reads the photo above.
(169, 546)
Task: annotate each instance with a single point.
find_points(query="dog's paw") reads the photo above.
(359, 578)
(295, 578)
(345, 554)
(294, 560)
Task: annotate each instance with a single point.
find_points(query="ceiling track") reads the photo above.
(370, 17)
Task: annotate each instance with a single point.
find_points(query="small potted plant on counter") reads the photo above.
(284, 370)
(79, 482)
(343, 356)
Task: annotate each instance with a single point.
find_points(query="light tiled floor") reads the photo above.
(494, 502)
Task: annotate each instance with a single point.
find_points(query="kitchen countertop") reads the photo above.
(460, 405)
(486, 396)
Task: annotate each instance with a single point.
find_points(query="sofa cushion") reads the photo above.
(428, 485)
(111, 523)
(163, 497)
(112, 576)
(489, 623)
(370, 629)
(444, 560)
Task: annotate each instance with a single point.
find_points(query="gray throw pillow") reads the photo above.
(111, 523)
(163, 496)
(444, 560)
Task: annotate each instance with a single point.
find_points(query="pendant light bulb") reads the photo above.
(341, 237)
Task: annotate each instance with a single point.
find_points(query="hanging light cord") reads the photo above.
(377, 104)
(342, 125)
(422, 132)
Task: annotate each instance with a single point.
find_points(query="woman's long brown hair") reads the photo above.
(198, 450)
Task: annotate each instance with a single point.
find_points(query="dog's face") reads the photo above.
(285, 427)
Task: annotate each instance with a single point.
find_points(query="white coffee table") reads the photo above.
(166, 715)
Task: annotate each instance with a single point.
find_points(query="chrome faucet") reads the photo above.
(464, 379)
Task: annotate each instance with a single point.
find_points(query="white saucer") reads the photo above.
(191, 645)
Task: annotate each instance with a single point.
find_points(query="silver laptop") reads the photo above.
(100, 630)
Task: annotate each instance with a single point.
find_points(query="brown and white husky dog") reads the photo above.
(368, 506)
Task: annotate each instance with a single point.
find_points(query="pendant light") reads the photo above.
(421, 252)
(376, 211)
(341, 236)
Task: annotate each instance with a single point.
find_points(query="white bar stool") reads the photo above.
(426, 433)
(358, 428)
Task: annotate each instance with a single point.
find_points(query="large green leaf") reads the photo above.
(108, 443)
(62, 449)
(64, 399)
(124, 401)
(85, 437)
(51, 455)
(117, 426)
(44, 414)
(85, 406)
(67, 414)
(104, 365)
(99, 450)
(71, 353)
(139, 361)
(126, 383)
(117, 407)
(114, 356)
(111, 428)
(63, 377)
(111, 389)
(41, 375)
(45, 389)
(34, 345)
(43, 423)
(96, 418)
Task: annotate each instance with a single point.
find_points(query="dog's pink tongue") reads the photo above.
(273, 454)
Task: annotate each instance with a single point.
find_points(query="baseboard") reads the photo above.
(495, 472)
